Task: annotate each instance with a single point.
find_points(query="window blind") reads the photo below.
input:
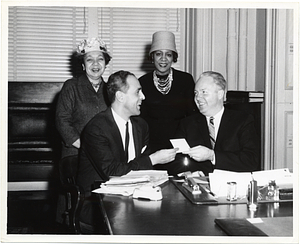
(42, 39)
(128, 31)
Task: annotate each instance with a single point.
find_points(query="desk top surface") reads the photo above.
(176, 215)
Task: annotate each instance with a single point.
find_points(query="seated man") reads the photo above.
(115, 141)
(219, 138)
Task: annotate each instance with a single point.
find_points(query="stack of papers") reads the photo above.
(126, 184)
(219, 178)
(282, 177)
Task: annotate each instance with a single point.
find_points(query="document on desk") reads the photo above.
(219, 178)
(283, 177)
(126, 184)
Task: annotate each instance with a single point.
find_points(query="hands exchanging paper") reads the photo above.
(200, 153)
(163, 156)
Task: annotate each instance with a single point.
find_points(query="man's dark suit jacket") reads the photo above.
(236, 148)
(102, 152)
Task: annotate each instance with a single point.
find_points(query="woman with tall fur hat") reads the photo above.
(169, 92)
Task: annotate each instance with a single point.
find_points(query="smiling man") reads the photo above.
(115, 142)
(105, 151)
(219, 138)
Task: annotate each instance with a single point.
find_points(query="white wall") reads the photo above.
(226, 41)
(279, 84)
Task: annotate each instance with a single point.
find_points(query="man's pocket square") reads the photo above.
(143, 149)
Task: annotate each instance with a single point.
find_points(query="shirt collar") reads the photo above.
(119, 120)
(217, 116)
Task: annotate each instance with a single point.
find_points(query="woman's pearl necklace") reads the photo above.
(163, 85)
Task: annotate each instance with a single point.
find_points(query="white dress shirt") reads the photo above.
(121, 123)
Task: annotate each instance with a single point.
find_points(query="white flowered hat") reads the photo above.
(93, 44)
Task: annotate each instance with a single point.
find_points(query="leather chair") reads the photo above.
(74, 194)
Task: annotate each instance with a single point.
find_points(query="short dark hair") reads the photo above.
(218, 78)
(117, 82)
(107, 58)
(175, 56)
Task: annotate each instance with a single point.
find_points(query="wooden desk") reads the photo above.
(175, 215)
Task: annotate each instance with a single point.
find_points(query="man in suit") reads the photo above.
(103, 139)
(104, 146)
(231, 143)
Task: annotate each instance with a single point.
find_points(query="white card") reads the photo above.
(181, 144)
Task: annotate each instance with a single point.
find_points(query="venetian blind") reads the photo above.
(128, 32)
(41, 40)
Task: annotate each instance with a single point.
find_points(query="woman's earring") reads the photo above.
(83, 68)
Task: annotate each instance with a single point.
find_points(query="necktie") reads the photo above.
(211, 128)
(126, 142)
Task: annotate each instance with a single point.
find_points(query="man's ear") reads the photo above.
(120, 96)
(221, 94)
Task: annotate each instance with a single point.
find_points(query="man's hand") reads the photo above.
(200, 153)
(163, 156)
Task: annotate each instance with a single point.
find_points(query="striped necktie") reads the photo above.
(211, 128)
(126, 142)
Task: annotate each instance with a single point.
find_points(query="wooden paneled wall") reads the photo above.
(33, 142)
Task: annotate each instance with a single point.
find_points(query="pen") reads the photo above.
(213, 194)
(209, 191)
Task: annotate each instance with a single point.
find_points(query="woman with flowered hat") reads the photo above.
(81, 98)
(169, 92)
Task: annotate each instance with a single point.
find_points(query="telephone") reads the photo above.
(149, 192)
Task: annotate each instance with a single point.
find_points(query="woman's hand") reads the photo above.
(163, 156)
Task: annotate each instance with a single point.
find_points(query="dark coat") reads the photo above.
(102, 153)
(164, 112)
(236, 148)
(77, 103)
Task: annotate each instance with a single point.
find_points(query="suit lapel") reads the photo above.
(203, 130)
(84, 81)
(115, 132)
(223, 126)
